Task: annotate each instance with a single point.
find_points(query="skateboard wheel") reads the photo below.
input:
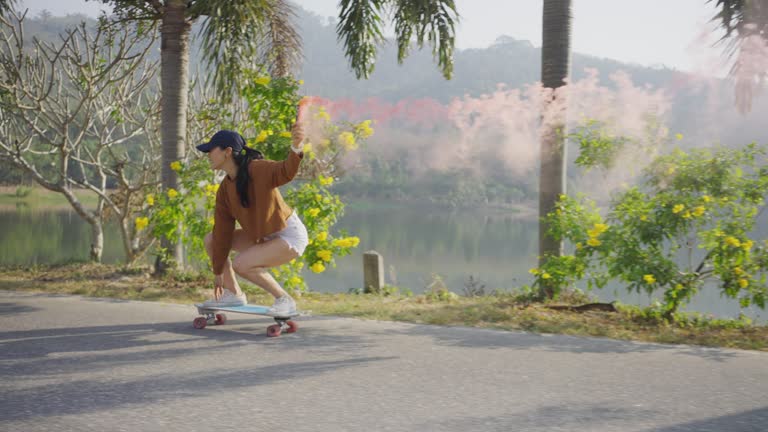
(221, 319)
(274, 330)
(199, 323)
(292, 327)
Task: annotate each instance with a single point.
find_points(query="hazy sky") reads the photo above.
(671, 33)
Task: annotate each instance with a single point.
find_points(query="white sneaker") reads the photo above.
(283, 306)
(227, 299)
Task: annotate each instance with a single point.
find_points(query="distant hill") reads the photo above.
(700, 109)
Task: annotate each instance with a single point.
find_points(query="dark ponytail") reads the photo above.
(242, 160)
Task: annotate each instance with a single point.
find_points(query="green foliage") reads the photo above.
(190, 209)
(22, 191)
(598, 147)
(437, 290)
(704, 199)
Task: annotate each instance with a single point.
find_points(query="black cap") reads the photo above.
(224, 139)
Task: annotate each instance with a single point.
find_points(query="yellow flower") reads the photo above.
(341, 243)
(176, 166)
(533, 271)
(276, 272)
(285, 134)
(698, 211)
(354, 241)
(594, 242)
(211, 189)
(307, 148)
(263, 80)
(294, 280)
(737, 271)
(317, 267)
(141, 223)
(325, 181)
(172, 193)
(322, 236)
(687, 215)
(313, 212)
(732, 241)
(324, 254)
(348, 140)
(678, 208)
(679, 136)
(593, 233)
(649, 279)
(706, 198)
(301, 82)
(643, 218)
(261, 136)
(321, 113)
(211, 221)
(545, 275)
(747, 245)
(150, 200)
(579, 246)
(601, 228)
(318, 197)
(364, 129)
(743, 283)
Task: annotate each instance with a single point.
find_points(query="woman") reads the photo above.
(271, 234)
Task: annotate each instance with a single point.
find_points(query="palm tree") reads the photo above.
(244, 34)
(555, 67)
(746, 30)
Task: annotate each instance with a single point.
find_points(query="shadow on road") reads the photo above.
(95, 395)
(601, 417)
(16, 308)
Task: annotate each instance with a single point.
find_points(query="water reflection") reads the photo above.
(497, 250)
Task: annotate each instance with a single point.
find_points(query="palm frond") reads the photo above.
(359, 29)
(245, 34)
(746, 38)
(282, 45)
(730, 15)
(432, 21)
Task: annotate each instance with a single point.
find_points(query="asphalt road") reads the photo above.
(79, 364)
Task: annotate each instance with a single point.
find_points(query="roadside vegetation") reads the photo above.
(573, 313)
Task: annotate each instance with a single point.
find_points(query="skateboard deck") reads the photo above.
(215, 315)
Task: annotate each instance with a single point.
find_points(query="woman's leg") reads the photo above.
(252, 263)
(240, 242)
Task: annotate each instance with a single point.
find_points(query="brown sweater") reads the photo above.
(266, 213)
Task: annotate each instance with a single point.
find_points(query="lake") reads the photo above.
(495, 249)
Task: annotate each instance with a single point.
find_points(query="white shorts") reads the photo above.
(295, 234)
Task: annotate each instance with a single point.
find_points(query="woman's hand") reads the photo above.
(297, 133)
(218, 286)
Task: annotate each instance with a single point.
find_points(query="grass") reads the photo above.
(39, 198)
(505, 311)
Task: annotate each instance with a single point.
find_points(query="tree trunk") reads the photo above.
(174, 72)
(97, 240)
(555, 67)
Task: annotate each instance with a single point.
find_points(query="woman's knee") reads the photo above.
(241, 266)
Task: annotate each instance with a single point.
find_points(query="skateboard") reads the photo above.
(215, 315)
